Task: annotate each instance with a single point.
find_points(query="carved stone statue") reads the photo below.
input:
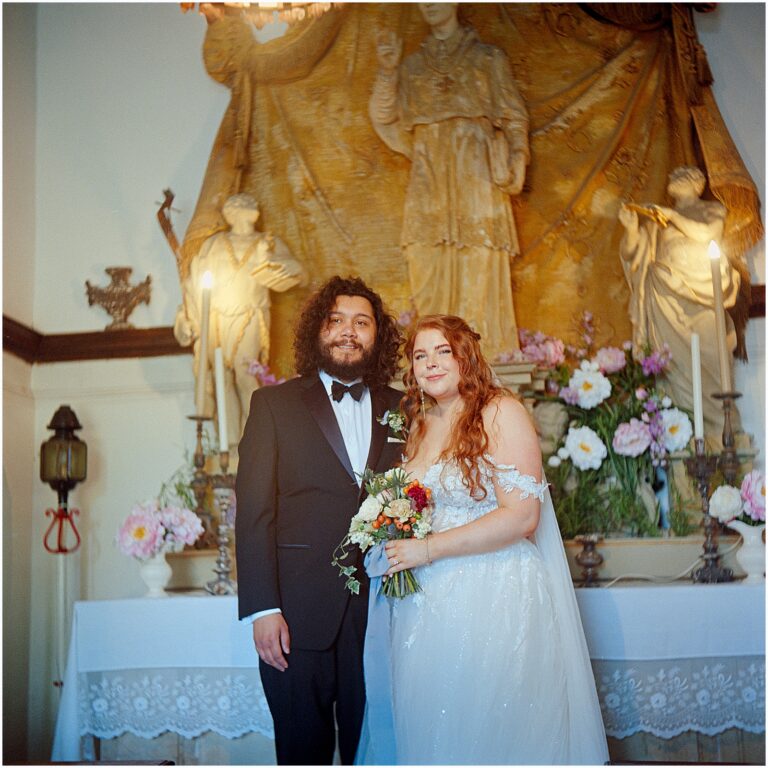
(246, 265)
(453, 109)
(668, 270)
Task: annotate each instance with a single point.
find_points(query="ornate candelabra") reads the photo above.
(223, 491)
(200, 483)
(701, 467)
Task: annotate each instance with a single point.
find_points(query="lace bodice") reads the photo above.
(453, 505)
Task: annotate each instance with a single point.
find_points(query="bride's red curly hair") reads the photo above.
(469, 441)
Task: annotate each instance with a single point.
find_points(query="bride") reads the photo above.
(489, 662)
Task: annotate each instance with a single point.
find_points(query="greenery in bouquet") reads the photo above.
(395, 508)
(745, 504)
(621, 427)
(164, 524)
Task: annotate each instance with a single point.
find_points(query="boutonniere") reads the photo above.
(395, 420)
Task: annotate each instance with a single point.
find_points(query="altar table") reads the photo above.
(667, 660)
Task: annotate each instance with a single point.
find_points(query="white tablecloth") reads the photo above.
(667, 659)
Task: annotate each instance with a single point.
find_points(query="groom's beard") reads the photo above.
(345, 371)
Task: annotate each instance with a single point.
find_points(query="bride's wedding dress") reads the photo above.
(488, 663)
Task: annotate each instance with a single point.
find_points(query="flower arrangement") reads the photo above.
(745, 504)
(395, 508)
(620, 426)
(164, 524)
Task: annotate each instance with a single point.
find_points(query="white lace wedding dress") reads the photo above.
(489, 663)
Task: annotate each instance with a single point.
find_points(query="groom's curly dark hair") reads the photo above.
(306, 347)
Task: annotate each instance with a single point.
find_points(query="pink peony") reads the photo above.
(182, 526)
(610, 359)
(141, 535)
(546, 351)
(631, 439)
(753, 495)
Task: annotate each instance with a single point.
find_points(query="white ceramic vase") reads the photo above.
(751, 554)
(156, 573)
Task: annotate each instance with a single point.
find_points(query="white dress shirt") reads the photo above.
(354, 419)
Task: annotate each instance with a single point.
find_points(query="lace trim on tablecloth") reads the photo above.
(668, 697)
(661, 697)
(185, 701)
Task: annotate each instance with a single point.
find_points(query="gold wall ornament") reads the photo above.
(119, 298)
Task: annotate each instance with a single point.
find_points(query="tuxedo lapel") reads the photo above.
(319, 406)
(378, 431)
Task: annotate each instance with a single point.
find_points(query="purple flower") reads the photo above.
(641, 393)
(610, 359)
(570, 395)
(263, 375)
(631, 438)
(753, 495)
(405, 318)
(656, 362)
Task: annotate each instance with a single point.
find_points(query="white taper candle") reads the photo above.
(221, 399)
(205, 321)
(698, 405)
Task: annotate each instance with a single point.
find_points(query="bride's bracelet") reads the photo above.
(426, 541)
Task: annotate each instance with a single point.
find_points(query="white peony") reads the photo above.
(563, 454)
(554, 460)
(369, 510)
(400, 508)
(677, 429)
(591, 386)
(586, 449)
(725, 503)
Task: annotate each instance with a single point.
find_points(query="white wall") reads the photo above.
(19, 93)
(734, 39)
(125, 109)
(117, 106)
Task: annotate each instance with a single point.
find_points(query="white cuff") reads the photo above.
(258, 615)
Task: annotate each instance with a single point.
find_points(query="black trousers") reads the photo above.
(302, 699)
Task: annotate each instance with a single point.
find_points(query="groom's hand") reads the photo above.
(272, 639)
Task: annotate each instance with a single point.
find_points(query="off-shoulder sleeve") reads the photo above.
(510, 479)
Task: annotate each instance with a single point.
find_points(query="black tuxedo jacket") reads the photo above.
(296, 493)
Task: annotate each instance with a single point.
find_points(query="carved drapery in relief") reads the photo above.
(612, 108)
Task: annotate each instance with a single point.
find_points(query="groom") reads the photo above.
(304, 446)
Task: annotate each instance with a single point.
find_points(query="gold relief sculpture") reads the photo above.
(453, 109)
(609, 109)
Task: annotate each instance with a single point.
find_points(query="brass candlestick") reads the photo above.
(729, 462)
(223, 490)
(200, 488)
(589, 558)
(702, 467)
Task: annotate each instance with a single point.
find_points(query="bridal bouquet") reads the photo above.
(395, 508)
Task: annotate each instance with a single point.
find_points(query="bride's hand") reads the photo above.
(406, 553)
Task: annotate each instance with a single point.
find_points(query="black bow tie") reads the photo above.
(338, 390)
